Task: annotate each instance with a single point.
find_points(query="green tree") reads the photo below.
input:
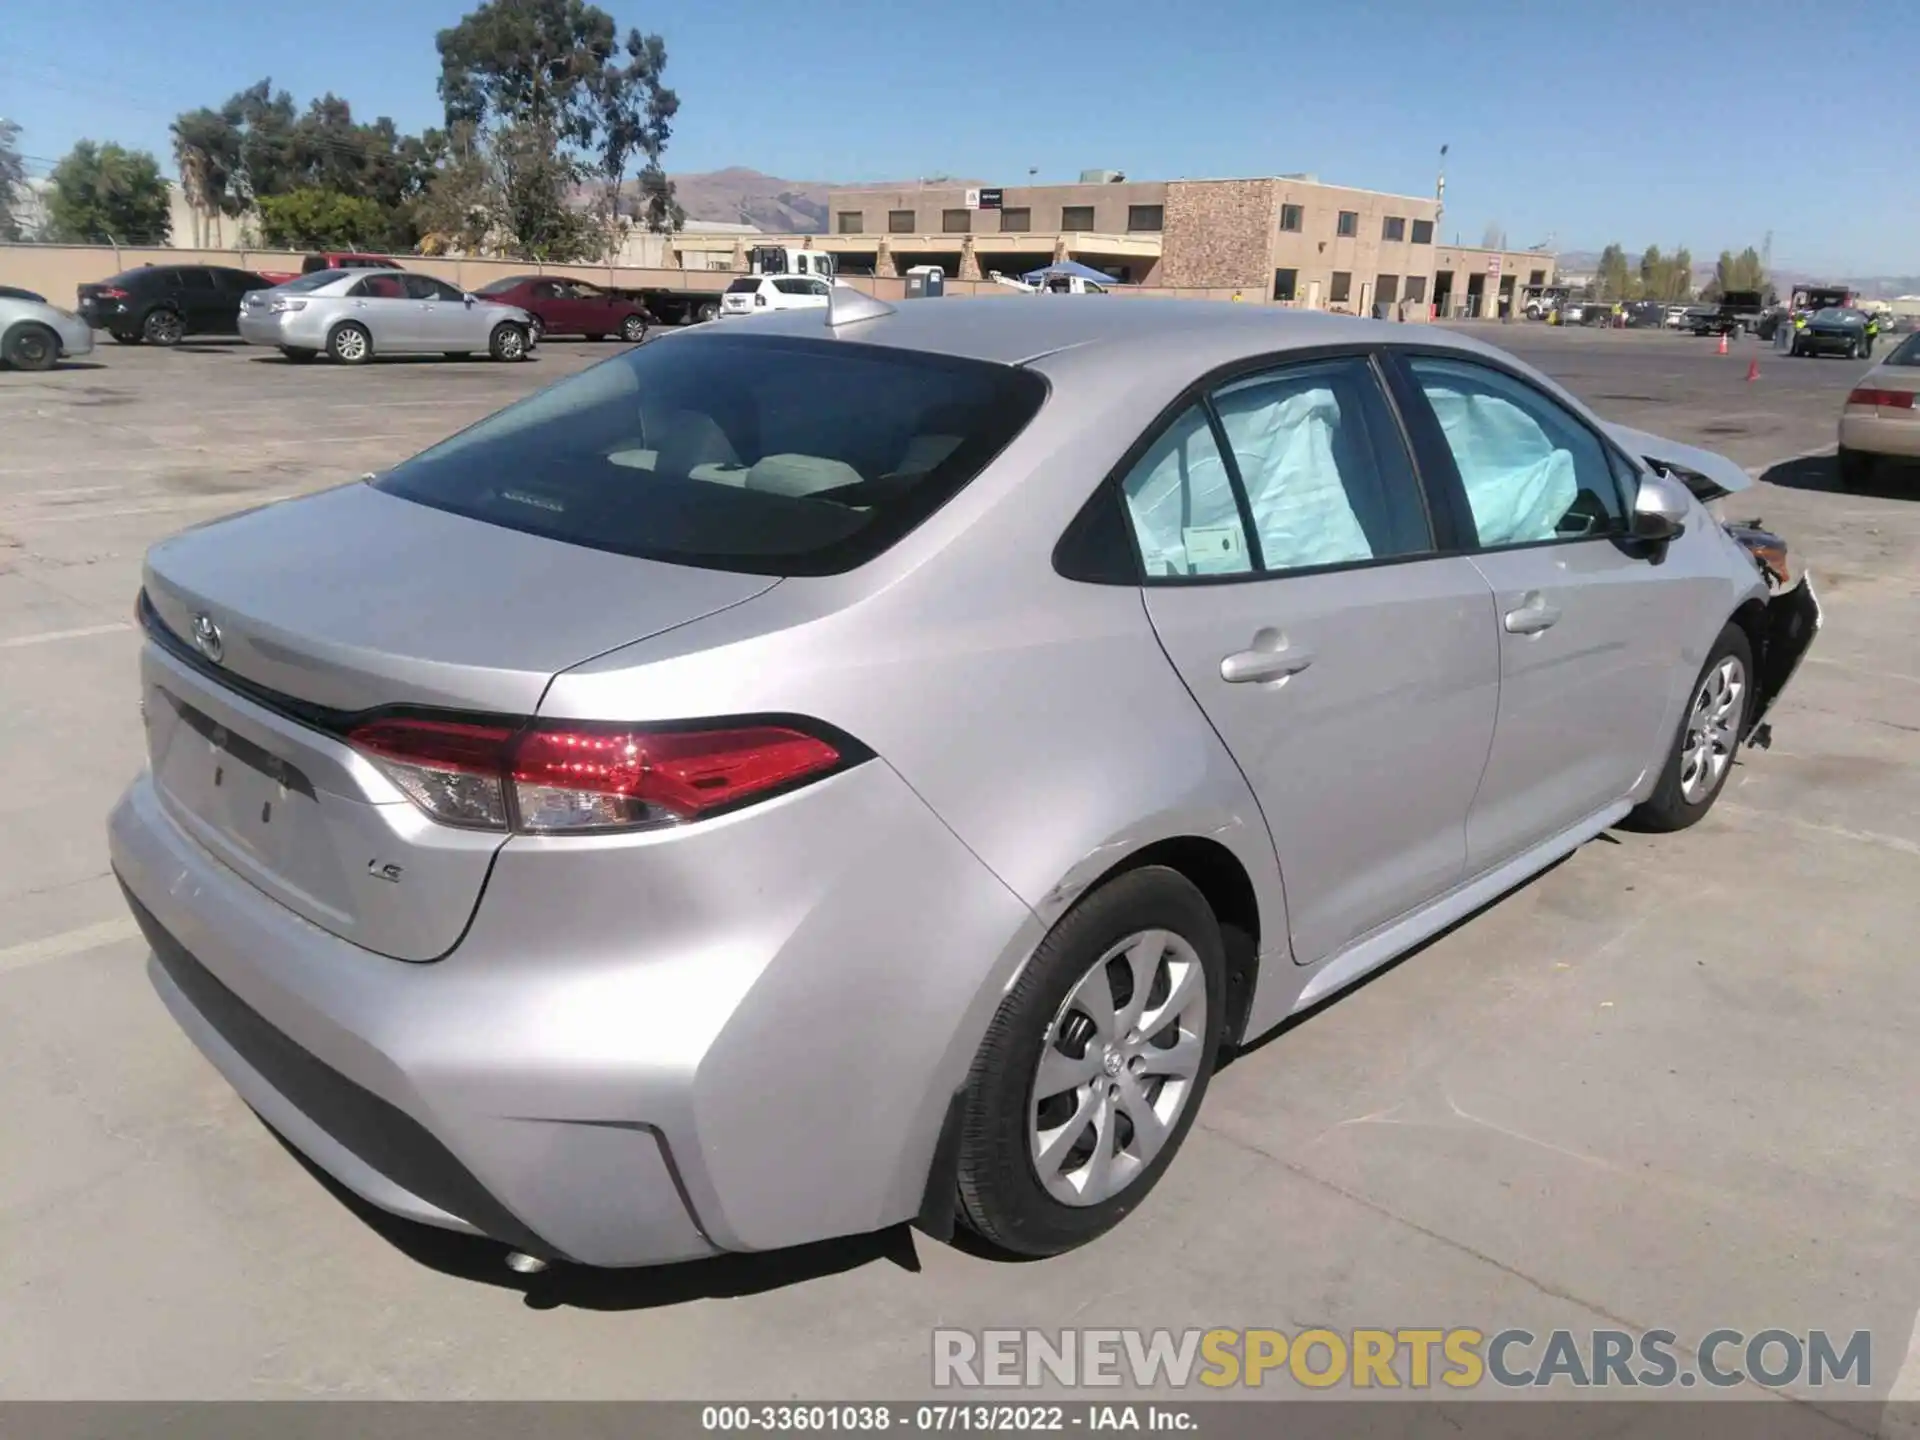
(206, 150)
(459, 208)
(104, 193)
(13, 180)
(556, 73)
(320, 220)
(1653, 273)
(1681, 284)
(1612, 277)
(1739, 272)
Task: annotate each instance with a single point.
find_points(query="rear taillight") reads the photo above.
(564, 780)
(759, 299)
(109, 292)
(1888, 399)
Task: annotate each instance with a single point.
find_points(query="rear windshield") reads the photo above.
(766, 454)
(1907, 352)
(315, 280)
(745, 285)
(500, 287)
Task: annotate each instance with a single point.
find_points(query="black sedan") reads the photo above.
(1833, 332)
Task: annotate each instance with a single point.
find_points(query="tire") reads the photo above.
(1856, 469)
(31, 347)
(296, 355)
(1149, 922)
(1709, 736)
(509, 343)
(350, 344)
(633, 329)
(163, 327)
(708, 310)
(125, 337)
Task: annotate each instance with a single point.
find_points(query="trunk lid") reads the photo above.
(275, 627)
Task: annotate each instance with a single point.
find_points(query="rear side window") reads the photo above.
(1186, 518)
(1327, 479)
(379, 287)
(772, 455)
(199, 281)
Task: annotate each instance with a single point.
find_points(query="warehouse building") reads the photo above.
(1288, 238)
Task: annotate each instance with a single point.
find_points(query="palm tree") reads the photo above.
(206, 149)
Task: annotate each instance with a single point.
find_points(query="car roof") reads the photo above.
(1016, 329)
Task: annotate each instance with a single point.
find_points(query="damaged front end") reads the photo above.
(1792, 611)
(1789, 622)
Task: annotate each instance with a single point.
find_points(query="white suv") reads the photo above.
(753, 294)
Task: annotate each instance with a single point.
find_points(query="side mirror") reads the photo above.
(470, 297)
(1660, 509)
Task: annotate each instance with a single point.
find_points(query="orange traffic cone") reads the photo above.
(1723, 344)
(1753, 370)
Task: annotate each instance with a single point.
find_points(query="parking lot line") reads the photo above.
(69, 942)
(47, 637)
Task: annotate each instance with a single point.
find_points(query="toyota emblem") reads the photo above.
(206, 638)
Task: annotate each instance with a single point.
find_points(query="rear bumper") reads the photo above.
(635, 1055)
(1881, 435)
(281, 328)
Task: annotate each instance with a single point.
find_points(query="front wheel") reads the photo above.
(1094, 1067)
(509, 343)
(1703, 752)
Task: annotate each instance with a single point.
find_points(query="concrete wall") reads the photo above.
(1457, 266)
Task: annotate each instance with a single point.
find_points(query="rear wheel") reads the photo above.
(1703, 752)
(509, 343)
(633, 329)
(709, 310)
(1094, 1067)
(31, 347)
(1856, 468)
(163, 327)
(350, 344)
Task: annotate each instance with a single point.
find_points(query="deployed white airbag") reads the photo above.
(1283, 441)
(1519, 484)
(1182, 504)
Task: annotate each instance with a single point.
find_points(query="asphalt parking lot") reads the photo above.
(1669, 1083)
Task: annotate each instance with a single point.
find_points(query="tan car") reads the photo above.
(1881, 419)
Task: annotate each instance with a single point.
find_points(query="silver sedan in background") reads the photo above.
(354, 315)
(802, 776)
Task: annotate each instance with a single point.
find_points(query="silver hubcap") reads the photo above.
(510, 344)
(1119, 1064)
(1713, 729)
(634, 329)
(350, 345)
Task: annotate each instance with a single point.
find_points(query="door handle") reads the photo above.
(1533, 616)
(1253, 666)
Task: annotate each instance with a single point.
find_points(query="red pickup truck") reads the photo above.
(333, 260)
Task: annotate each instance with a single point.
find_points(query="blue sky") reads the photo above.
(1675, 123)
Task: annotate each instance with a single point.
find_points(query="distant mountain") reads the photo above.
(789, 206)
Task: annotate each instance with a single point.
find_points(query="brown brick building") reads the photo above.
(1283, 238)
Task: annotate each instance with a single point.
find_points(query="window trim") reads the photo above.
(1413, 235)
(1086, 229)
(1387, 222)
(1071, 564)
(1299, 217)
(1341, 230)
(1435, 456)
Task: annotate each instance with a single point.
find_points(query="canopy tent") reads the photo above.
(1067, 268)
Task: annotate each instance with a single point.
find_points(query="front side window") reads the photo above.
(1180, 501)
(378, 287)
(425, 287)
(1532, 472)
(1348, 223)
(772, 455)
(1327, 479)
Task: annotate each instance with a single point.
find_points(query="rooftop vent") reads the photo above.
(1102, 177)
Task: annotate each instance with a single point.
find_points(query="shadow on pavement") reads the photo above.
(579, 1287)
(1889, 478)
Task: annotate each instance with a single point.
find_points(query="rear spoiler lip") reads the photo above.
(1707, 475)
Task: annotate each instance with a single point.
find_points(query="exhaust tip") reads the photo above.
(522, 1263)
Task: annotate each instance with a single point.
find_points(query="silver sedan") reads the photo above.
(871, 765)
(353, 316)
